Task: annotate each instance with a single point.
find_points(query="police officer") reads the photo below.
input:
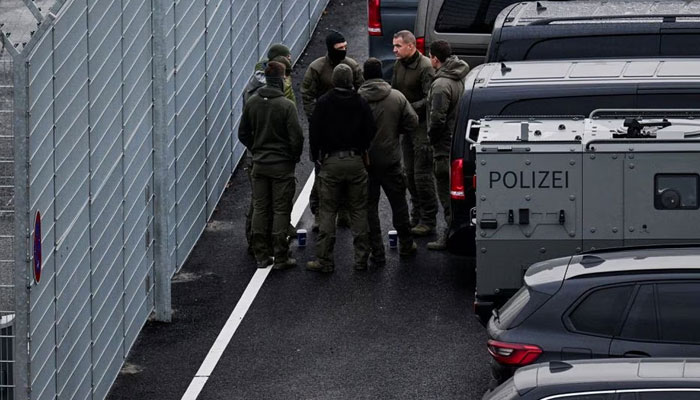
(341, 130)
(270, 130)
(317, 82)
(393, 116)
(445, 92)
(279, 53)
(412, 77)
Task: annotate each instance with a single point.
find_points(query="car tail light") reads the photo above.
(374, 20)
(513, 353)
(420, 44)
(457, 179)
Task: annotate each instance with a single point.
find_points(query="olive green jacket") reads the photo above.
(413, 77)
(393, 116)
(318, 80)
(443, 100)
(270, 127)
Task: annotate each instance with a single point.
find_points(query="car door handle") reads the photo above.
(636, 354)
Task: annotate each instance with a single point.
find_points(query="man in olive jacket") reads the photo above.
(443, 100)
(270, 129)
(317, 82)
(413, 74)
(280, 53)
(393, 116)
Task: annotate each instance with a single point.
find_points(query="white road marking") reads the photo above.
(244, 303)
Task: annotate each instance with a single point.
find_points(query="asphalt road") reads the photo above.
(403, 331)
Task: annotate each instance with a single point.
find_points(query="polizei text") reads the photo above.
(530, 179)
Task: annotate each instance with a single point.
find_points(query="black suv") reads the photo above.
(634, 302)
(550, 30)
(607, 379)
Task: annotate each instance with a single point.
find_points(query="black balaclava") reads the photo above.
(332, 39)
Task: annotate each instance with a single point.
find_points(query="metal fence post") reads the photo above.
(162, 266)
(21, 371)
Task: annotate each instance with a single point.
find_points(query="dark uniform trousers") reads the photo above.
(390, 179)
(342, 180)
(273, 193)
(441, 169)
(418, 160)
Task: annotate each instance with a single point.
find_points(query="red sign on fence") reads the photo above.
(37, 247)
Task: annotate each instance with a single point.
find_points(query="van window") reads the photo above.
(594, 47)
(641, 320)
(523, 303)
(469, 16)
(601, 311)
(680, 44)
(566, 105)
(669, 99)
(678, 307)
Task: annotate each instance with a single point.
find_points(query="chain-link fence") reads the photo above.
(117, 139)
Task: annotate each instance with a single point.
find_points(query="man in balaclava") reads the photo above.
(317, 82)
(340, 132)
(281, 54)
(271, 131)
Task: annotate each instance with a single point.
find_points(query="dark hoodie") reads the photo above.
(341, 120)
(393, 116)
(270, 127)
(445, 92)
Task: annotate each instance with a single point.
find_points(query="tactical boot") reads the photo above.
(286, 264)
(265, 263)
(422, 230)
(318, 267)
(440, 244)
(408, 249)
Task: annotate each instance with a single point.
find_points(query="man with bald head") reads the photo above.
(412, 76)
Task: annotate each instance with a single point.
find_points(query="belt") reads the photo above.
(342, 154)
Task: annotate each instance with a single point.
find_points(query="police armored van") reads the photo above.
(557, 88)
(549, 187)
(548, 30)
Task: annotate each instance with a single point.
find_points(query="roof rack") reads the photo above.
(662, 17)
(688, 113)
